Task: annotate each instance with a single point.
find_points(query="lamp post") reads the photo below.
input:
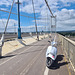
(14, 29)
(55, 23)
(19, 29)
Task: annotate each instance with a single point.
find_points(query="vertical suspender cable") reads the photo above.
(2, 38)
(35, 20)
(50, 12)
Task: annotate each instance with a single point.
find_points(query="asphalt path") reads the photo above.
(31, 60)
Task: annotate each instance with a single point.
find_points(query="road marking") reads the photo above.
(72, 65)
(67, 66)
(46, 71)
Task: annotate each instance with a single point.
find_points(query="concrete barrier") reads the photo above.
(69, 49)
(10, 46)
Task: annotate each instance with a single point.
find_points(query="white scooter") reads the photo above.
(51, 54)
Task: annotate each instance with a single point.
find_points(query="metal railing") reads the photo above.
(68, 47)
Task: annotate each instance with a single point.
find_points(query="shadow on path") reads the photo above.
(57, 64)
(7, 56)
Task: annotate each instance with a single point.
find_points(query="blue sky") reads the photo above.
(64, 9)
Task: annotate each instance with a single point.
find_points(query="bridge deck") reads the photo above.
(31, 60)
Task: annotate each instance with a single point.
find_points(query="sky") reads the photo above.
(63, 9)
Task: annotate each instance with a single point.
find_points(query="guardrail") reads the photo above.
(69, 48)
(12, 36)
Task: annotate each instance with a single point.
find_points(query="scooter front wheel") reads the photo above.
(49, 62)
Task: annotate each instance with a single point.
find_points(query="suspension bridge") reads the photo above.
(23, 49)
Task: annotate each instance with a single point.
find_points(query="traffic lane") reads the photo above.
(12, 54)
(17, 64)
(17, 59)
(13, 60)
(38, 66)
(16, 52)
(25, 69)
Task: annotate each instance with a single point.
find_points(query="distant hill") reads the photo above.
(67, 33)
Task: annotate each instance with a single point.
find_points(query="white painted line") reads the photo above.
(46, 71)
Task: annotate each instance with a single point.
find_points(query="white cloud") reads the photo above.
(65, 14)
(6, 2)
(10, 24)
(27, 9)
(65, 17)
(3, 9)
(28, 28)
(65, 1)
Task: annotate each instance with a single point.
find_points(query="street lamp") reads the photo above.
(14, 29)
(19, 29)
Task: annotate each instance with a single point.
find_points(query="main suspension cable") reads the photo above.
(20, 15)
(48, 7)
(8, 17)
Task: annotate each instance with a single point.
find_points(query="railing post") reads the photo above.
(68, 51)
